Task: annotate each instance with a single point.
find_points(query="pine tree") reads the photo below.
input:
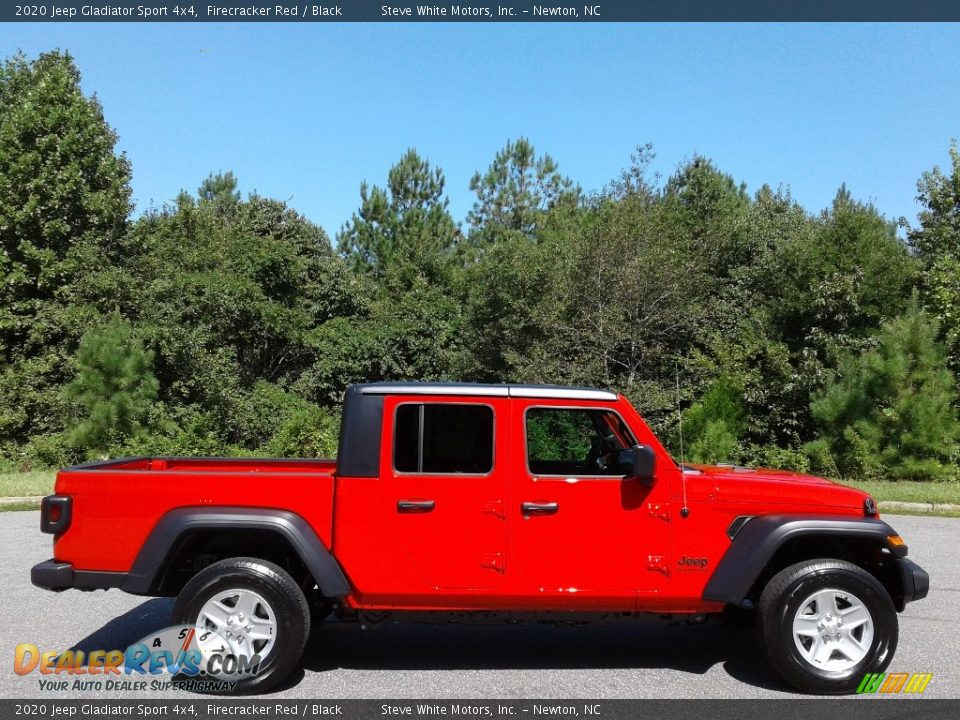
(515, 192)
(115, 385)
(404, 231)
(890, 412)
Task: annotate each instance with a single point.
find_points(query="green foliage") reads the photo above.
(890, 413)
(310, 432)
(715, 444)
(817, 287)
(771, 456)
(514, 304)
(230, 299)
(115, 386)
(64, 200)
(404, 232)
(709, 210)
(221, 189)
(515, 193)
(558, 436)
(939, 194)
(714, 425)
(937, 242)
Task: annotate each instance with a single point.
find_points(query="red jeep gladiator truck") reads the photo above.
(452, 502)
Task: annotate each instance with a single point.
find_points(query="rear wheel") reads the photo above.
(825, 623)
(258, 615)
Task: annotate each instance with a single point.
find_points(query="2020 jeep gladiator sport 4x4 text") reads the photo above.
(458, 501)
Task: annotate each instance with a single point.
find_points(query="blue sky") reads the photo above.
(304, 113)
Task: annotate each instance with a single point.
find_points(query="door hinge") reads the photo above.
(493, 562)
(656, 563)
(659, 511)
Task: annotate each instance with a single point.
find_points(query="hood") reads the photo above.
(765, 485)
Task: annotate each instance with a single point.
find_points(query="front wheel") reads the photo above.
(825, 624)
(257, 615)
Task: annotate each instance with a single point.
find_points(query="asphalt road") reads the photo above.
(647, 658)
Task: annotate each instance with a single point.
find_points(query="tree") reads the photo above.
(229, 302)
(515, 192)
(714, 425)
(708, 209)
(61, 185)
(221, 187)
(937, 243)
(889, 413)
(515, 299)
(404, 232)
(64, 201)
(820, 287)
(939, 193)
(115, 386)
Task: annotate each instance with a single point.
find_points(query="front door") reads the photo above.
(587, 536)
(442, 498)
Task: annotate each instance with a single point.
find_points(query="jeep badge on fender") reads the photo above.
(487, 500)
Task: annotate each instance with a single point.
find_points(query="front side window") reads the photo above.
(443, 438)
(575, 442)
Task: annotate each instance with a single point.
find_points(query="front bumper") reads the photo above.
(914, 580)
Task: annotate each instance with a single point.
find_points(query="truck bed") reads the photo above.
(101, 538)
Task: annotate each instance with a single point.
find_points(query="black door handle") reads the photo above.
(539, 508)
(414, 506)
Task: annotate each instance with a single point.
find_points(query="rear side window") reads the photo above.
(574, 442)
(442, 438)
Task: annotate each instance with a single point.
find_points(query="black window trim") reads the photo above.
(545, 476)
(422, 403)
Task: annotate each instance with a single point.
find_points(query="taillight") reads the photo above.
(55, 512)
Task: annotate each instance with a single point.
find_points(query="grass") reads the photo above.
(925, 513)
(922, 492)
(13, 507)
(27, 484)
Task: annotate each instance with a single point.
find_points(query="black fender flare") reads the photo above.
(150, 563)
(761, 537)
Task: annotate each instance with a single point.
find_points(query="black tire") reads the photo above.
(781, 601)
(278, 589)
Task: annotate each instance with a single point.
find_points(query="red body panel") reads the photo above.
(115, 508)
(613, 544)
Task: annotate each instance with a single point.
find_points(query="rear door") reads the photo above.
(443, 484)
(587, 535)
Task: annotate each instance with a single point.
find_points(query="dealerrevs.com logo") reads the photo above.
(891, 683)
(180, 657)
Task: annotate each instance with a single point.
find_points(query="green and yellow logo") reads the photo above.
(894, 683)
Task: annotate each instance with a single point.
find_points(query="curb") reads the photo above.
(927, 507)
(35, 499)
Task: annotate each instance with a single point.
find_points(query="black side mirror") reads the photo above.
(644, 462)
